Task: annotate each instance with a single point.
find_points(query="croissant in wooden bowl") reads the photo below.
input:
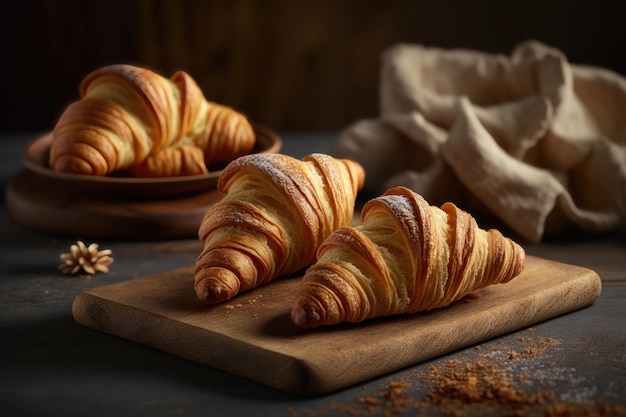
(131, 119)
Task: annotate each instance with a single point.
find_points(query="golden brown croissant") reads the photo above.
(130, 118)
(405, 257)
(276, 212)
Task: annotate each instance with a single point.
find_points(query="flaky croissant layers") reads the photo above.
(132, 119)
(405, 257)
(276, 212)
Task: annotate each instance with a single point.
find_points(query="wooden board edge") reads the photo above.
(281, 372)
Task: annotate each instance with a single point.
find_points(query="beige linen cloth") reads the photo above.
(530, 138)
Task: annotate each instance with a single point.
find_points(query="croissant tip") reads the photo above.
(71, 165)
(213, 294)
(305, 316)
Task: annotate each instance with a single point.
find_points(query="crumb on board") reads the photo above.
(230, 307)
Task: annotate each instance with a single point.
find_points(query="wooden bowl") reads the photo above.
(36, 156)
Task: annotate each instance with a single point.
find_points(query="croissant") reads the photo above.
(275, 213)
(406, 256)
(132, 119)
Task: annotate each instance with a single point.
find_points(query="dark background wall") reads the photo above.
(290, 65)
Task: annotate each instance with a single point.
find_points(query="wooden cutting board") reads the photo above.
(252, 336)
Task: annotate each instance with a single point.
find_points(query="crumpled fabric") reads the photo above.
(529, 138)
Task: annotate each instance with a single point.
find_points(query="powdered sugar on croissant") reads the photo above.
(130, 118)
(275, 213)
(405, 257)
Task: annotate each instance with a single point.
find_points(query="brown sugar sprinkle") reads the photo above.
(538, 346)
(390, 401)
(477, 388)
(483, 386)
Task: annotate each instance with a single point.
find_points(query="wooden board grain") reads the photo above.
(252, 336)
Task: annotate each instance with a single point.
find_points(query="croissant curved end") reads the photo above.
(520, 260)
(76, 165)
(357, 172)
(215, 285)
(305, 315)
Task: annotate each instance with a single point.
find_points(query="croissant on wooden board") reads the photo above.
(132, 119)
(275, 213)
(406, 256)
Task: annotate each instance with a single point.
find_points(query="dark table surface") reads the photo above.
(574, 364)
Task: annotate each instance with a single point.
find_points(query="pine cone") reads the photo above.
(85, 260)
